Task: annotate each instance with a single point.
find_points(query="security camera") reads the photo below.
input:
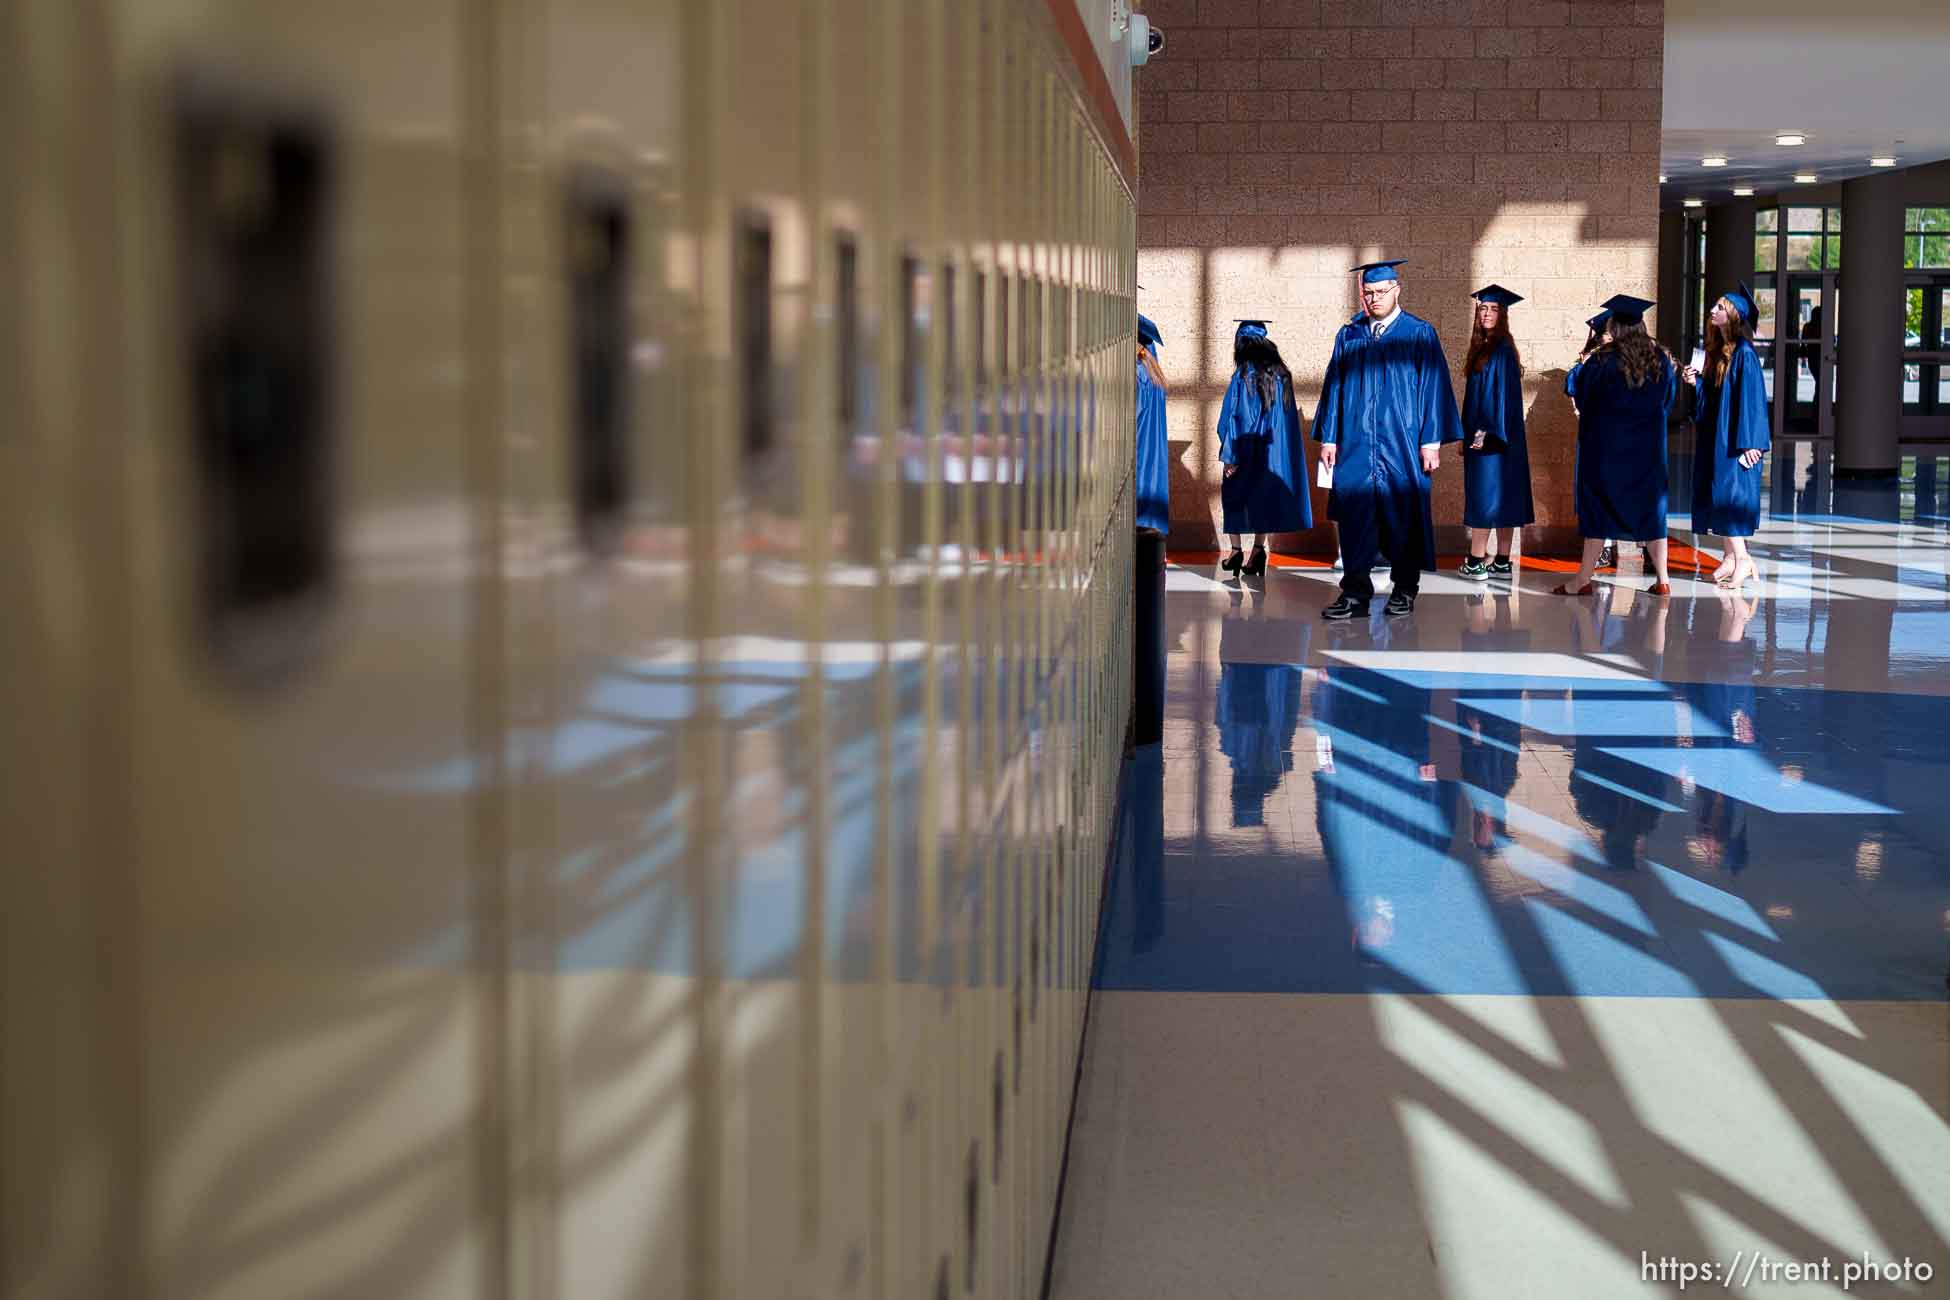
(1156, 41)
(1141, 41)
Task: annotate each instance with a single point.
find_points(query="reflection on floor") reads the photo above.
(1508, 948)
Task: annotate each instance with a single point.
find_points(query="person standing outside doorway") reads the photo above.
(1385, 410)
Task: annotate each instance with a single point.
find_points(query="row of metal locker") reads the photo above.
(567, 643)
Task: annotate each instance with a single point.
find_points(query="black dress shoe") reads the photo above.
(1234, 562)
(1257, 565)
(1346, 607)
(1401, 602)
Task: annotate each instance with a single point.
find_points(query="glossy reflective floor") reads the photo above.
(1507, 948)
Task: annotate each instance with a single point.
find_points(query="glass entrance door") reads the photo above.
(1926, 346)
(1807, 331)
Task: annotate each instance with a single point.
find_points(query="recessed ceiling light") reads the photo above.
(1806, 178)
(1662, 178)
(1788, 139)
(1695, 203)
(1882, 160)
(1743, 191)
(1713, 160)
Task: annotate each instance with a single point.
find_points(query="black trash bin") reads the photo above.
(1148, 640)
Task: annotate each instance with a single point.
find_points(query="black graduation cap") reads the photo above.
(1376, 272)
(1497, 294)
(1626, 309)
(1599, 321)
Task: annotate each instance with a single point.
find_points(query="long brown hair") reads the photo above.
(1720, 344)
(1482, 346)
(1639, 354)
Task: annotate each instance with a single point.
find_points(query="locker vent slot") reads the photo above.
(255, 214)
(597, 241)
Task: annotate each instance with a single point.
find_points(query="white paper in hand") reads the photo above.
(1699, 360)
(1324, 475)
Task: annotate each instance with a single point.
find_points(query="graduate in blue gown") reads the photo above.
(1734, 432)
(1496, 456)
(1385, 411)
(1153, 449)
(1257, 712)
(1265, 487)
(1623, 393)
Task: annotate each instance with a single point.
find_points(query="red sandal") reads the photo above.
(1562, 590)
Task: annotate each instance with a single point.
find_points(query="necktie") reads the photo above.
(1377, 329)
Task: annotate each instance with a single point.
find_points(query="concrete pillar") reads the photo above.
(1729, 247)
(1668, 318)
(1869, 394)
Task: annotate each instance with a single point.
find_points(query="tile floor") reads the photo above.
(1509, 948)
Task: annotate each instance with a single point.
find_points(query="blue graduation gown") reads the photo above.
(1733, 418)
(1496, 480)
(1153, 456)
(1621, 477)
(1385, 829)
(1258, 713)
(1267, 493)
(1382, 400)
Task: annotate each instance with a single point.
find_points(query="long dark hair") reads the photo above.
(1261, 353)
(1639, 355)
(1720, 344)
(1482, 346)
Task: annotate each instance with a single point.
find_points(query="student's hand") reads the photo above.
(1431, 458)
(1690, 375)
(1749, 458)
(1229, 470)
(1476, 443)
(1327, 453)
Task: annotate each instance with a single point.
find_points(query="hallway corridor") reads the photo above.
(1507, 949)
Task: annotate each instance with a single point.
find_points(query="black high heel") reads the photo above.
(1256, 565)
(1235, 562)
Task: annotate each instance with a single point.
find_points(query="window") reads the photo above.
(1767, 229)
(1926, 238)
(1813, 239)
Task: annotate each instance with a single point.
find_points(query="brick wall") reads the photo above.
(1282, 141)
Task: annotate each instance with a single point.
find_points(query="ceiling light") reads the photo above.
(1882, 160)
(1695, 203)
(1662, 178)
(1789, 139)
(1806, 178)
(1713, 160)
(1743, 191)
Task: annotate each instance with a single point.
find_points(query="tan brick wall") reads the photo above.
(1283, 141)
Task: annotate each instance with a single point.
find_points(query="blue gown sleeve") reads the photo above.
(1672, 385)
(1441, 421)
(1228, 417)
(1327, 416)
(1499, 401)
(1750, 427)
(1571, 381)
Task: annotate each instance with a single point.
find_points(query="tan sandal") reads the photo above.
(1738, 577)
